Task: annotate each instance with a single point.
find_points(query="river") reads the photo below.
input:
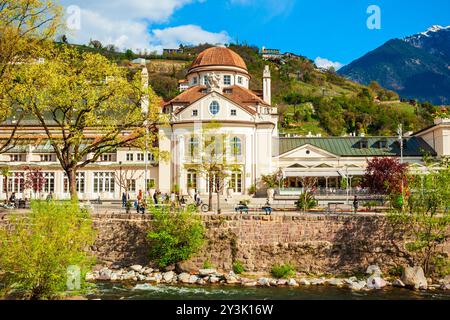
(109, 291)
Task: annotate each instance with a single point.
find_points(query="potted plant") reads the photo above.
(128, 206)
(151, 187)
(270, 181)
(252, 190)
(191, 189)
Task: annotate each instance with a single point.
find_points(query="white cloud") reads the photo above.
(126, 24)
(326, 64)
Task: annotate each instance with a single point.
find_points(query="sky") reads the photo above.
(331, 32)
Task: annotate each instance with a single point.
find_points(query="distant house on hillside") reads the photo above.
(173, 51)
(139, 61)
(183, 85)
(271, 54)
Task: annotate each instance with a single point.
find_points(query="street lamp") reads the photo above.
(400, 137)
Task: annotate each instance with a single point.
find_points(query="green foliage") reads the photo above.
(252, 189)
(207, 264)
(175, 236)
(306, 201)
(425, 220)
(37, 251)
(151, 184)
(270, 181)
(282, 271)
(238, 268)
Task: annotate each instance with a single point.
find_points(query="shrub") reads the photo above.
(207, 264)
(238, 268)
(36, 253)
(175, 236)
(306, 201)
(282, 271)
(252, 189)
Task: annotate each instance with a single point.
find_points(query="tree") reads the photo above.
(36, 253)
(213, 159)
(306, 200)
(6, 173)
(95, 44)
(425, 220)
(87, 106)
(124, 178)
(25, 26)
(385, 176)
(175, 236)
(34, 180)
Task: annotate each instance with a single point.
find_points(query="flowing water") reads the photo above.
(109, 291)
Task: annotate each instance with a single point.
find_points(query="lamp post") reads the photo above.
(400, 137)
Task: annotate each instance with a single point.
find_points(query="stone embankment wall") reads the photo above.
(313, 243)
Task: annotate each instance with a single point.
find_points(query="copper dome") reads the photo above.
(219, 56)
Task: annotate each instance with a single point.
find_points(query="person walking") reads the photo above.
(155, 197)
(355, 204)
(124, 200)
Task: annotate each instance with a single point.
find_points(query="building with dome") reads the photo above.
(217, 118)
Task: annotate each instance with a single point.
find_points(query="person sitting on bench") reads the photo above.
(267, 208)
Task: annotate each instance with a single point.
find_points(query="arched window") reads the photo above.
(236, 181)
(214, 108)
(236, 146)
(193, 146)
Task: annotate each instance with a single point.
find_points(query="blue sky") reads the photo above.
(330, 29)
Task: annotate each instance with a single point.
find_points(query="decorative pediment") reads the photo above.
(307, 151)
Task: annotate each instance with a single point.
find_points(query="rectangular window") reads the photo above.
(80, 182)
(15, 182)
(233, 112)
(205, 80)
(194, 113)
(106, 158)
(195, 80)
(131, 183)
(17, 158)
(239, 80)
(46, 158)
(140, 157)
(151, 157)
(227, 80)
(104, 182)
(49, 185)
(130, 157)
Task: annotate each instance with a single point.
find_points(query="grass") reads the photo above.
(280, 271)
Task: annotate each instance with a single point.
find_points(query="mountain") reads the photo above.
(417, 67)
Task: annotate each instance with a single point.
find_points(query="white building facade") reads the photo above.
(216, 105)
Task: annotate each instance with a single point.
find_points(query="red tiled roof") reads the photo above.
(243, 97)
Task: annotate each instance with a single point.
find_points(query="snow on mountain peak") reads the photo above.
(434, 28)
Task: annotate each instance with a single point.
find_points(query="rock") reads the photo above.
(193, 279)
(293, 283)
(316, 282)
(231, 274)
(414, 277)
(282, 282)
(374, 270)
(445, 281)
(375, 282)
(445, 287)
(232, 280)
(168, 276)
(114, 276)
(201, 282)
(352, 279)
(250, 284)
(336, 282)
(213, 279)
(398, 283)
(136, 268)
(184, 277)
(147, 271)
(158, 277)
(140, 277)
(207, 272)
(263, 282)
(150, 278)
(273, 282)
(90, 276)
(129, 275)
(357, 286)
(304, 282)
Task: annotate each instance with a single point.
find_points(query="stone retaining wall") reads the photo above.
(313, 243)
